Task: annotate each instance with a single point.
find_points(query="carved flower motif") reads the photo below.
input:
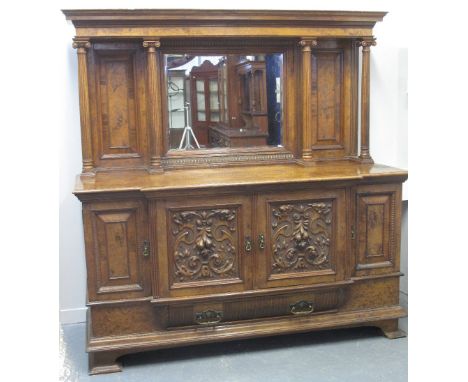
(300, 235)
(203, 243)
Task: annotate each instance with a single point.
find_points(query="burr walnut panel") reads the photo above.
(122, 319)
(328, 69)
(332, 126)
(119, 93)
(115, 234)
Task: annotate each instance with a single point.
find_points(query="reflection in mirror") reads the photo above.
(224, 101)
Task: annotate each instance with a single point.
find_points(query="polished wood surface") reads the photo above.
(193, 246)
(235, 176)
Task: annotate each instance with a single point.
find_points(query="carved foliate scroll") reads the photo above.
(300, 236)
(204, 244)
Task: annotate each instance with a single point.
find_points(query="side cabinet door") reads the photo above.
(115, 233)
(300, 237)
(377, 229)
(203, 245)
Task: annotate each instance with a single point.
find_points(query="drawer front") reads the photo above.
(292, 304)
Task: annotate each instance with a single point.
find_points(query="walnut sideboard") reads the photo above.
(192, 239)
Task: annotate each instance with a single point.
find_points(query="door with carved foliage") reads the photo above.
(300, 237)
(203, 245)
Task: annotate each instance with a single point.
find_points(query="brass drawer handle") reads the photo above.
(261, 241)
(248, 244)
(146, 250)
(301, 308)
(208, 317)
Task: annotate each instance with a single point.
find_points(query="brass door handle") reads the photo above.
(248, 244)
(261, 241)
(301, 308)
(146, 248)
(208, 317)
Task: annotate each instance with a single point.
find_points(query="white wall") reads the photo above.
(72, 289)
(388, 115)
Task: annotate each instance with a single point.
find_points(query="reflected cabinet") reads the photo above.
(228, 187)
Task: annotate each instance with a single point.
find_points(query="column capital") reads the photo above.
(367, 42)
(151, 44)
(81, 44)
(307, 43)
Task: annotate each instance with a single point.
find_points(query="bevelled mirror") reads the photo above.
(224, 101)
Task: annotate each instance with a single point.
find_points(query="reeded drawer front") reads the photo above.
(293, 304)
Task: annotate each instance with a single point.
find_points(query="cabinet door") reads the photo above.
(300, 237)
(377, 229)
(115, 233)
(202, 245)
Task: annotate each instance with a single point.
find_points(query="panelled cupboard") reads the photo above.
(295, 232)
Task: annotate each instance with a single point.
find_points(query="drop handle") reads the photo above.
(146, 248)
(261, 241)
(301, 308)
(208, 317)
(248, 244)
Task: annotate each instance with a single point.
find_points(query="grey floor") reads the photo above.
(360, 354)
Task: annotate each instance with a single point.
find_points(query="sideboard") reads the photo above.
(269, 216)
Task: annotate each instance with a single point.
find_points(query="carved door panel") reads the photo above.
(203, 245)
(377, 229)
(115, 235)
(300, 238)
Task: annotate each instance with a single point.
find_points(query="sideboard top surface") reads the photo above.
(233, 176)
(220, 23)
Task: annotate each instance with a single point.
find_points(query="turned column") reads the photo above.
(81, 46)
(154, 103)
(365, 156)
(307, 120)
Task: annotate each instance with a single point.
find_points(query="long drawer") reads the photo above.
(236, 309)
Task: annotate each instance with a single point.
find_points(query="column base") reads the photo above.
(366, 160)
